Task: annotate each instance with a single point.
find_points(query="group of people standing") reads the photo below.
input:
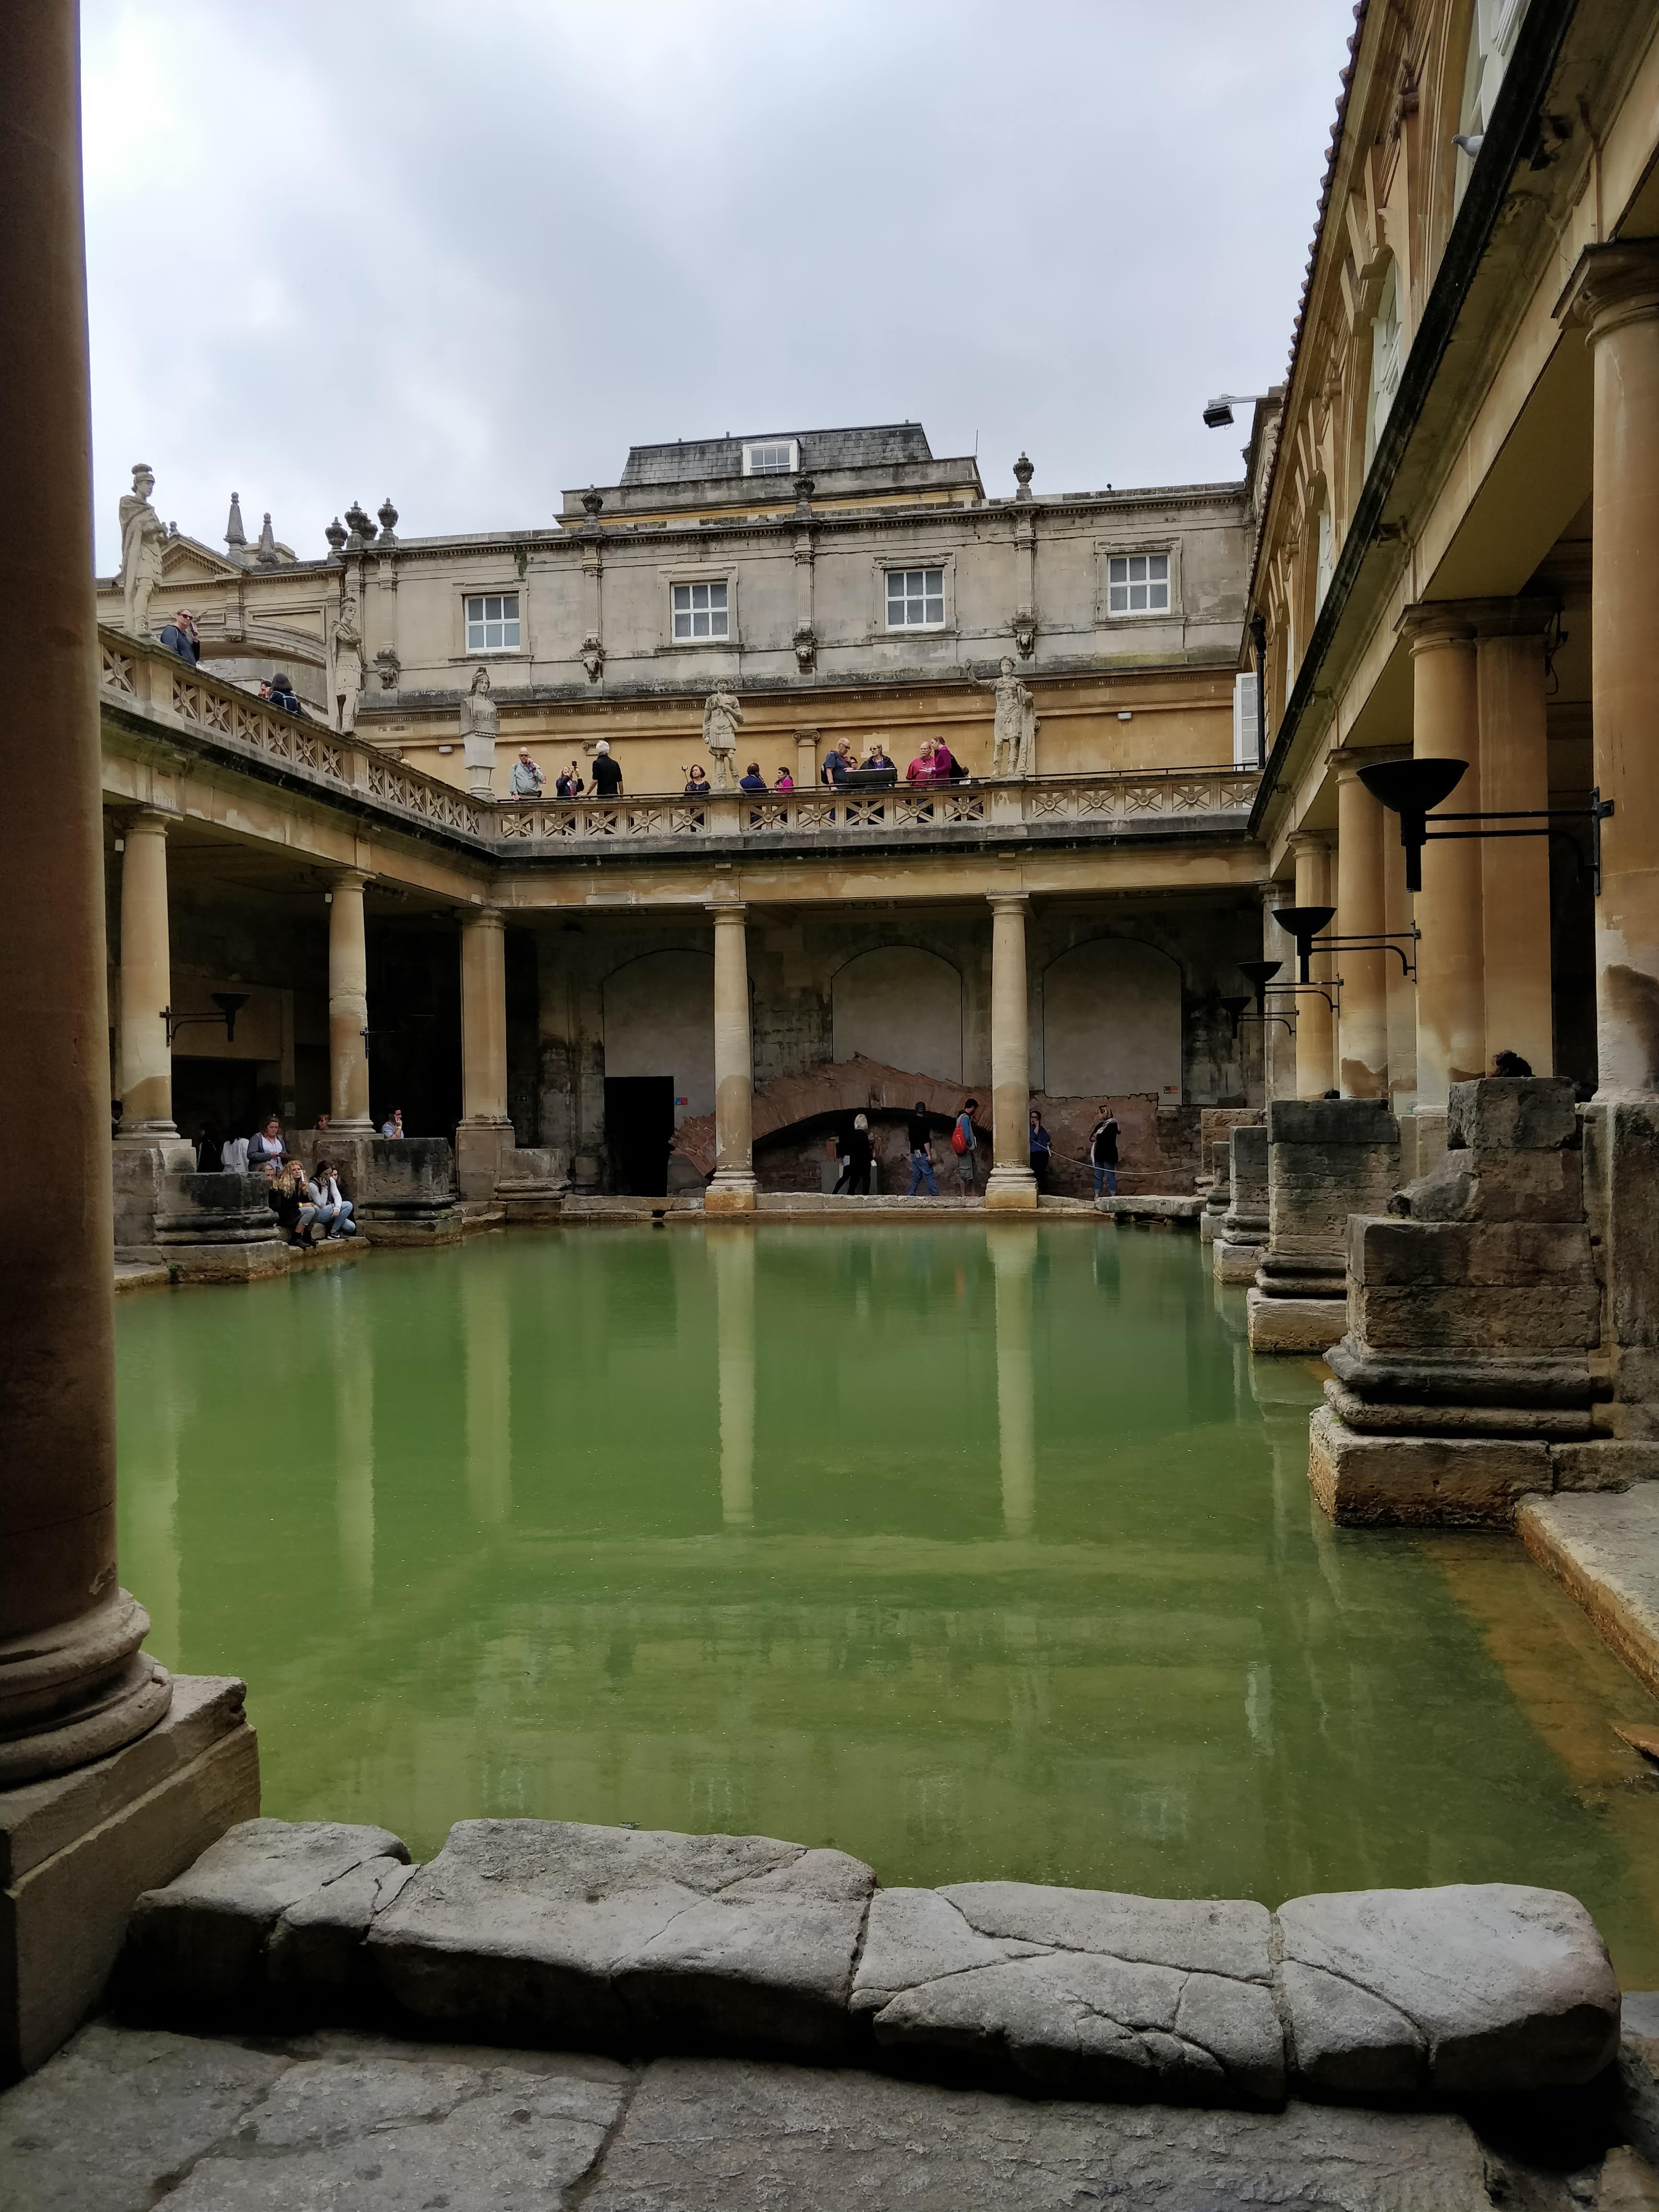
(857, 1152)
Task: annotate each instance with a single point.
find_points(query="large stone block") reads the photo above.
(1467, 1992)
(1513, 1113)
(1621, 1169)
(1542, 1317)
(609, 1939)
(196, 1949)
(76, 1850)
(1302, 1324)
(1421, 1480)
(1077, 1992)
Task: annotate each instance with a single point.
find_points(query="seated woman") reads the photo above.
(334, 1209)
(290, 1201)
(268, 1145)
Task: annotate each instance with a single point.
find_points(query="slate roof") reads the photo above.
(695, 460)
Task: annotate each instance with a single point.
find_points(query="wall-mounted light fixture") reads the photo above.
(1413, 788)
(229, 1003)
(1304, 923)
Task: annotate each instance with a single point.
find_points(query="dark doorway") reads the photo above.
(219, 1094)
(638, 1128)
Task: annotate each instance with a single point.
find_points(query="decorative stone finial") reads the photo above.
(1023, 474)
(591, 503)
(804, 489)
(235, 536)
(388, 515)
(267, 552)
(362, 529)
(337, 538)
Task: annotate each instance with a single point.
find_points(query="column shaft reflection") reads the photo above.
(732, 1250)
(354, 1434)
(486, 1335)
(1013, 1254)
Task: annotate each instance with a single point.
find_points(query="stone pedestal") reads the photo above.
(533, 1181)
(403, 1188)
(1472, 1311)
(141, 1167)
(1327, 1158)
(1239, 1243)
(1621, 1193)
(219, 1229)
(1217, 1198)
(76, 1849)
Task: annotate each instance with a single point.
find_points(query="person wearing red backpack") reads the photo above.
(962, 1144)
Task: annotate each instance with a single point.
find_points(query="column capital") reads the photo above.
(1014, 900)
(1612, 284)
(149, 821)
(1309, 840)
(1433, 625)
(349, 879)
(481, 917)
(1347, 763)
(1518, 617)
(728, 910)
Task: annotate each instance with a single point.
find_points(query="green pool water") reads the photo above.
(976, 1550)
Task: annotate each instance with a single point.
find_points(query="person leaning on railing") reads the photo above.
(607, 773)
(180, 636)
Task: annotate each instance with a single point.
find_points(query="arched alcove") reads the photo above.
(1111, 1022)
(900, 1005)
(660, 1021)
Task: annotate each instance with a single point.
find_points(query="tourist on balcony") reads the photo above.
(878, 757)
(947, 769)
(697, 781)
(268, 1145)
(836, 762)
(393, 1124)
(1042, 1150)
(785, 782)
(333, 1207)
(920, 1137)
(569, 784)
(855, 1160)
(1102, 1152)
(922, 769)
(607, 774)
(752, 778)
(284, 695)
(962, 1144)
(526, 780)
(180, 637)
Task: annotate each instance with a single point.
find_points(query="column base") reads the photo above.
(1011, 1190)
(1295, 1324)
(732, 1190)
(75, 1851)
(478, 1149)
(1401, 1481)
(1234, 1263)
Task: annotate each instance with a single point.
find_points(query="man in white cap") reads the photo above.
(607, 776)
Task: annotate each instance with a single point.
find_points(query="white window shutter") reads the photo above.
(1246, 743)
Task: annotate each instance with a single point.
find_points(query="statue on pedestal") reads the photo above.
(1013, 735)
(480, 725)
(348, 664)
(143, 533)
(721, 718)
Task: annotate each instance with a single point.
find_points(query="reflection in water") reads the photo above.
(733, 1245)
(486, 1326)
(1013, 1250)
(353, 1437)
(535, 1454)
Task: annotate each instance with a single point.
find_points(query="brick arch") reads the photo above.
(840, 1086)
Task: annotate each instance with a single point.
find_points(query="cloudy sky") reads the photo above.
(466, 252)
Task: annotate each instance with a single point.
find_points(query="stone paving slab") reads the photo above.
(1603, 1546)
(124, 2120)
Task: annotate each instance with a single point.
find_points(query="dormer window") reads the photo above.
(770, 457)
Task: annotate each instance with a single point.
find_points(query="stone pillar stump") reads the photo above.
(1327, 1158)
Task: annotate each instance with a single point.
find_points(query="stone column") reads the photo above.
(1011, 1182)
(484, 1128)
(146, 981)
(1363, 1025)
(348, 1008)
(1452, 1030)
(1615, 293)
(74, 1687)
(1515, 872)
(1316, 1026)
(1397, 914)
(806, 759)
(1327, 1158)
(1278, 1042)
(1237, 1253)
(732, 1188)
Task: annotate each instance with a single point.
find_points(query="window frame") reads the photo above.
(511, 589)
(1165, 548)
(692, 586)
(906, 569)
(753, 446)
(678, 579)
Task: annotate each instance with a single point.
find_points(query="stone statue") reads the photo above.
(480, 725)
(1013, 736)
(143, 534)
(721, 718)
(348, 664)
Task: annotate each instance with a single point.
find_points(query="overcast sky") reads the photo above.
(467, 251)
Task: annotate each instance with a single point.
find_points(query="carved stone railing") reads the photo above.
(1124, 803)
(149, 676)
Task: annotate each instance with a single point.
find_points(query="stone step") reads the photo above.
(1603, 1547)
(564, 1936)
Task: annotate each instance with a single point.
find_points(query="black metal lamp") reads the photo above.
(1234, 1009)
(1304, 923)
(1412, 788)
(229, 1003)
(1259, 973)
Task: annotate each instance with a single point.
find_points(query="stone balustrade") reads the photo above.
(1121, 804)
